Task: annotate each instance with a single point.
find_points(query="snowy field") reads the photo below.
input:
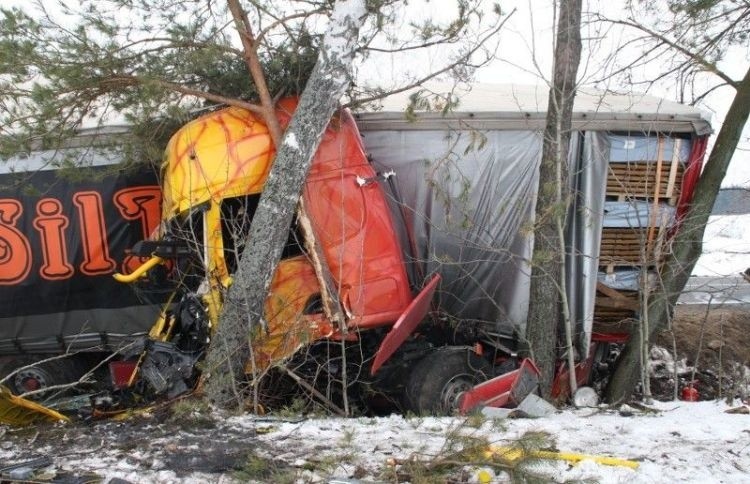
(726, 242)
(683, 442)
(677, 442)
(726, 246)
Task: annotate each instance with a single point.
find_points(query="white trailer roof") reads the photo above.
(89, 147)
(508, 106)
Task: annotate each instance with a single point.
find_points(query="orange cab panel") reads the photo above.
(352, 221)
(228, 154)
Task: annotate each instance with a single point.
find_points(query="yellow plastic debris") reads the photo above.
(484, 477)
(18, 411)
(511, 454)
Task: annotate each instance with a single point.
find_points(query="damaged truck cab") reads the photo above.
(214, 170)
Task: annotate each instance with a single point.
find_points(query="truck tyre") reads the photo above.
(437, 380)
(41, 375)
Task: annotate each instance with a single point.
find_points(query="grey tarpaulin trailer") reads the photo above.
(466, 180)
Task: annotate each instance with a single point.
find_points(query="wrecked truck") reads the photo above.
(214, 170)
(428, 246)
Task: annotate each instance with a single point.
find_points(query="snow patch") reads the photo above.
(726, 246)
(290, 140)
(738, 173)
(337, 41)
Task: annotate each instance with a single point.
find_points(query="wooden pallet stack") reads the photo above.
(650, 176)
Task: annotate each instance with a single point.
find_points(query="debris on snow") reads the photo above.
(683, 442)
(711, 382)
(663, 364)
(536, 407)
(741, 410)
(585, 397)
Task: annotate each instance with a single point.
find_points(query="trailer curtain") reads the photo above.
(465, 201)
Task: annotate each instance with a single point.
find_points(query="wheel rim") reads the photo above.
(452, 391)
(31, 379)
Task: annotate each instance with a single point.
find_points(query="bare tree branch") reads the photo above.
(135, 80)
(250, 46)
(694, 56)
(461, 60)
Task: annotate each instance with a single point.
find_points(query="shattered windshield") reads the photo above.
(187, 228)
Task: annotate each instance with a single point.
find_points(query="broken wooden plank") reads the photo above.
(329, 293)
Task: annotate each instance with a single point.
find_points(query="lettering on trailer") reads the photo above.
(15, 252)
(141, 204)
(62, 236)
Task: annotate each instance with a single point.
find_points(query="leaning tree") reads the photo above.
(688, 41)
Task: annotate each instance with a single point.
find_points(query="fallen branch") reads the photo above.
(327, 401)
(62, 386)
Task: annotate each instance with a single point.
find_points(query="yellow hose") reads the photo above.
(139, 272)
(512, 454)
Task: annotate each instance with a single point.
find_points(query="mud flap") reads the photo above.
(406, 323)
(18, 411)
(507, 389)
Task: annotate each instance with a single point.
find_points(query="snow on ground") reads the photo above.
(738, 173)
(681, 442)
(726, 246)
(685, 442)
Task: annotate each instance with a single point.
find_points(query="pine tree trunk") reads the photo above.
(686, 245)
(243, 305)
(545, 295)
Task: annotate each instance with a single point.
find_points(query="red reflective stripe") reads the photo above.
(690, 178)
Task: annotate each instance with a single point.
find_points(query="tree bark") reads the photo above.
(243, 305)
(553, 193)
(686, 245)
(329, 295)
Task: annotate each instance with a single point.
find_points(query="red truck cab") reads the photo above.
(214, 170)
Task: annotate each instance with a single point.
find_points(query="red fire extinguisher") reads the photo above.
(690, 392)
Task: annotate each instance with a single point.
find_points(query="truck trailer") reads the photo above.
(424, 223)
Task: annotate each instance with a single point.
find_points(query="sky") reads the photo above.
(524, 56)
(533, 19)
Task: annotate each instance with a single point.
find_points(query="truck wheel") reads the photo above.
(41, 375)
(437, 380)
